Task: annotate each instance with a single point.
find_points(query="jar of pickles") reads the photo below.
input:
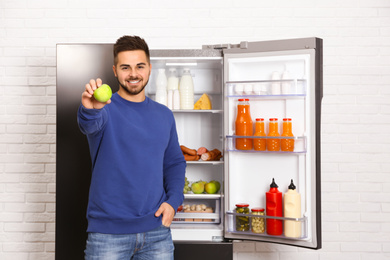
(257, 222)
(242, 222)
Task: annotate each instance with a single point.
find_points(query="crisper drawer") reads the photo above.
(199, 209)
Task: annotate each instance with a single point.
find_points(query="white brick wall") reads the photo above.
(356, 105)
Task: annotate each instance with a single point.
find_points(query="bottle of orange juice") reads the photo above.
(273, 144)
(244, 125)
(259, 144)
(287, 145)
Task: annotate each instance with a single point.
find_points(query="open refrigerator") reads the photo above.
(226, 73)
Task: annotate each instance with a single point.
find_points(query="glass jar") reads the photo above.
(244, 125)
(258, 224)
(242, 222)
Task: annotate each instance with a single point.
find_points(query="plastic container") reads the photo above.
(274, 208)
(161, 87)
(258, 224)
(244, 125)
(286, 85)
(242, 222)
(287, 145)
(275, 86)
(176, 99)
(292, 209)
(273, 144)
(259, 144)
(170, 99)
(186, 90)
(173, 79)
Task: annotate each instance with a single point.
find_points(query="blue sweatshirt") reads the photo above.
(137, 164)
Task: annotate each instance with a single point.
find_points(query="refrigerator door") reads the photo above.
(281, 79)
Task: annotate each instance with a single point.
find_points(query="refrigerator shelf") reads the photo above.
(212, 111)
(231, 218)
(299, 146)
(205, 162)
(202, 196)
(267, 88)
(197, 215)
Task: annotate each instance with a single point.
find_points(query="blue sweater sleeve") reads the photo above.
(174, 171)
(91, 121)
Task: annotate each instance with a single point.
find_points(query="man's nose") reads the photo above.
(132, 73)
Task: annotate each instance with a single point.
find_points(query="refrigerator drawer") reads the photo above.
(199, 209)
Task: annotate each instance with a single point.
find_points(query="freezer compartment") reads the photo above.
(233, 217)
(266, 88)
(299, 143)
(199, 209)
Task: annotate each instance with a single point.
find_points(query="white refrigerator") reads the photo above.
(280, 79)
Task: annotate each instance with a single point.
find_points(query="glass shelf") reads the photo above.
(212, 111)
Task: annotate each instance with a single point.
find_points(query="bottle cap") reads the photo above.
(259, 119)
(273, 119)
(273, 184)
(292, 186)
(242, 205)
(286, 119)
(240, 99)
(258, 209)
(247, 99)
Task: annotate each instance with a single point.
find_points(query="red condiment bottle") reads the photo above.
(274, 208)
(244, 125)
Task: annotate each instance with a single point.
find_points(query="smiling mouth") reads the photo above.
(133, 81)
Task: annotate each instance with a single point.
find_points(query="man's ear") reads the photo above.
(114, 70)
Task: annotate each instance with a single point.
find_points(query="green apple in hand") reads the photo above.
(103, 93)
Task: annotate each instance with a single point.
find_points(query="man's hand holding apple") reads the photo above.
(98, 100)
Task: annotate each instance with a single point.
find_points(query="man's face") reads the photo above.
(132, 71)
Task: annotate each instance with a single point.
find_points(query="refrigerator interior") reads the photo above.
(249, 173)
(197, 128)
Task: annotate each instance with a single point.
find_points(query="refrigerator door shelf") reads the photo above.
(299, 146)
(266, 88)
(231, 218)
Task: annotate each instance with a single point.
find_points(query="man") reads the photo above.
(137, 164)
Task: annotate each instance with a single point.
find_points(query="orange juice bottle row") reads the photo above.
(244, 127)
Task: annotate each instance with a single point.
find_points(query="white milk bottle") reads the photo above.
(186, 90)
(173, 80)
(161, 87)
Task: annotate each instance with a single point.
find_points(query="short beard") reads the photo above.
(133, 93)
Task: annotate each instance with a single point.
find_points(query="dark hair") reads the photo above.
(130, 43)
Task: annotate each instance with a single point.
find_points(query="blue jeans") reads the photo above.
(152, 245)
